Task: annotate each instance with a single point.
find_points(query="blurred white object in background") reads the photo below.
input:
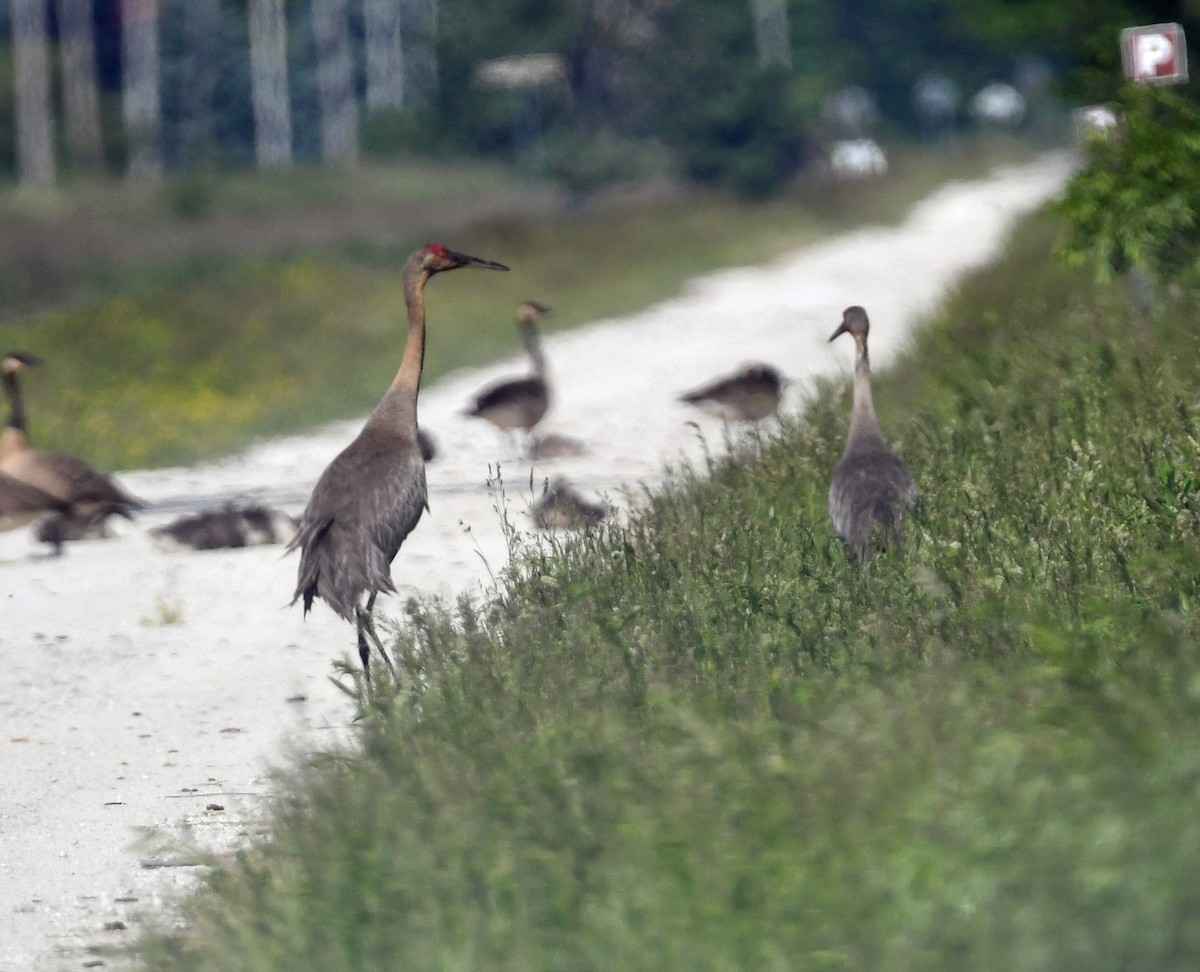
(857, 158)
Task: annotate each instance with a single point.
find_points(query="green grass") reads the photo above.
(703, 741)
(192, 356)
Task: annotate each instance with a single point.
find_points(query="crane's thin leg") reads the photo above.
(366, 626)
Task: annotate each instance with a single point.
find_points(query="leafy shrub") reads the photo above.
(1136, 205)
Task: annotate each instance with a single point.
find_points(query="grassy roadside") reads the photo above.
(200, 353)
(704, 742)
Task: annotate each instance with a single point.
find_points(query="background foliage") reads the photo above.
(1136, 205)
(682, 79)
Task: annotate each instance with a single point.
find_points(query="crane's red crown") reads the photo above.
(438, 250)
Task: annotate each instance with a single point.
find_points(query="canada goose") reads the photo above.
(747, 396)
(519, 403)
(22, 504)
(371, 495)
(91, 496)
(231, 526)
(872, 489)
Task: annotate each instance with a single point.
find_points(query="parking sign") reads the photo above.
(1154, 55)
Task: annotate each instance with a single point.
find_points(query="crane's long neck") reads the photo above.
(398, 407)
(864, 425)
(533, 345)
(14, 436)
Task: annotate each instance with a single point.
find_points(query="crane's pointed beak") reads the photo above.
(464, 260)
(841, 330)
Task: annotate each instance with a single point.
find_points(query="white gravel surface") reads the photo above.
(140, 689)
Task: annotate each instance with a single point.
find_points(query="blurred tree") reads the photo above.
(35, 141)
(335, 82)
(384, 55)
(420, 35)
(772, 33)
(200, 70)
(269, 83)
(81, 101)
(139, 69)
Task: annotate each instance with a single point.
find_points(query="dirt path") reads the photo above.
(142, 690)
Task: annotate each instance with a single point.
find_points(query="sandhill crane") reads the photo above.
(562, 508)
(371, 495)
(90, 496)
(746, 396)
(872, 489)
(519, 403)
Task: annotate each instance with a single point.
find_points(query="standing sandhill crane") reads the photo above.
(872, 488)
(519, 403)
(747, 396)
(90, 496)
(370, 497)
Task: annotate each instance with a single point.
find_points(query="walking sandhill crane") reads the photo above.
(746, 396)
(872, 489)
(90, 496)
(372, 494)
(519, 403)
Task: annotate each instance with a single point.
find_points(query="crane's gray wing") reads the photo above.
(870, 491)
(363, 507)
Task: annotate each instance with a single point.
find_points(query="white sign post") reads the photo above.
(1156, 54)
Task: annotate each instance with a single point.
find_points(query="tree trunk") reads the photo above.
(202, 25)
(335, 82)
(420, 45)
(269, 80)
(771, 33)
(385, 55)
(35, 138)
(139, 69)
(81, 103)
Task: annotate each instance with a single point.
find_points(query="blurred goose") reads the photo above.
(90, 496)
(232, 526)
(22, 504)
(562, 508)
(746, 396)
(872, 490)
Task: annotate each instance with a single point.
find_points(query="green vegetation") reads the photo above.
(1137, 204)
(703, 741)
(199, 354)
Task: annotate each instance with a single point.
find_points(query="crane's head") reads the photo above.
(17, 361)
(436, 258)
(854, 320)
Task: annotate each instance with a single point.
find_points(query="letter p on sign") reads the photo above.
(1154, 55)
